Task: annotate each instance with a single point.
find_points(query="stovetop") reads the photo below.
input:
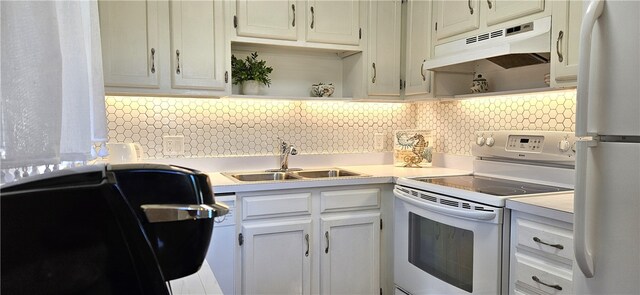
(487, 190)
(492, 186)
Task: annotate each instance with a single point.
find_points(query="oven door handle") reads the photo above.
(478, 215)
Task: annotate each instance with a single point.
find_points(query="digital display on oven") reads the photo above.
(524, 140)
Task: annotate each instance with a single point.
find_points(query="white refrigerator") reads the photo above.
(607, 190)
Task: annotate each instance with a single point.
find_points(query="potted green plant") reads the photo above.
(251, 73)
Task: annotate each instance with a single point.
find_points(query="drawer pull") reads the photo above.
(537, 280)
(558, 246)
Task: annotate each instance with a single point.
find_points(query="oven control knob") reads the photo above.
(564, 145)
(480, 140)
(490, 141)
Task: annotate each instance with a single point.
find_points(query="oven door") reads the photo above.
(445, 245)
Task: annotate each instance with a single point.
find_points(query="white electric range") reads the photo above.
(451, 233)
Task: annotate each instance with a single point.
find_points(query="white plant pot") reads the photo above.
(251, 87)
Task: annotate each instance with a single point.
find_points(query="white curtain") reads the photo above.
(52, 86)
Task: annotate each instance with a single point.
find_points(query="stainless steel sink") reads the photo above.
(291, 175)
(327, 173)
(263, 176)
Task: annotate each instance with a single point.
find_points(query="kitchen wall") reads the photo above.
(455, 121)
(224, 127)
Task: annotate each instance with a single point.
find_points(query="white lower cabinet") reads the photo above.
(541, 259)
(275, 257)
(288, 244)
(350, 254)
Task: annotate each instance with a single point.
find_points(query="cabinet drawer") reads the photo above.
(552, 240)
(346, 200)
(536, 273)
(255, 207)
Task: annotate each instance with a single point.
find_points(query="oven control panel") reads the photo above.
(525, 145)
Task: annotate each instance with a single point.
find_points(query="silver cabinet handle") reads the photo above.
(153, 60)
(306, 238)
(470, 8)
(558, 49)
(178, 212)
(537, 280)
(178, 58)
(375, 73)
(313, 17)
(424, 78)
(326, 236)
(293, 8)
(489, 3)
(538, 240)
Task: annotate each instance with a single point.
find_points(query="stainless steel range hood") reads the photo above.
(508, 47)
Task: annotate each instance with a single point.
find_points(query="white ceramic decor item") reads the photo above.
(124, 152)
(251, 87)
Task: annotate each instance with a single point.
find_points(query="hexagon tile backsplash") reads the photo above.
(251, 127)
(224, 127)
(455, 121)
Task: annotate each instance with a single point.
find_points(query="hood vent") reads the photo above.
(509, 47)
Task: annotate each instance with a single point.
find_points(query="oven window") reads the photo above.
(444, 251)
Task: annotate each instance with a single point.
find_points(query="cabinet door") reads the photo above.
(336, 22)
(267, 19)
(129, 32)
(350, 262)
(384, 48)
(276, 257)
(417, 49)
(197, 45)
(456, 17)
(504, 10)
(567, 17)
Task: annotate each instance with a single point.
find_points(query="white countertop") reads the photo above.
(556, 206)
(378, 174)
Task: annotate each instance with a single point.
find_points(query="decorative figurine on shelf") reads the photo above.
(251, 73)
(322, 90)
(479, 85)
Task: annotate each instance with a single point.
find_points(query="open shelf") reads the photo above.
(295, 70)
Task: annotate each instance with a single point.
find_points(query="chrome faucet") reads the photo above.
(286, 150)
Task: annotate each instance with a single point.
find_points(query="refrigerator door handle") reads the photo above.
(593, 12)
(582, 201)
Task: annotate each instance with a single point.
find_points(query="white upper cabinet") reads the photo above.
(505, 10)
(197, 47)
(174, 48)
(304, 23)
(384, 48)
(417, 49)
(129, 31)
(336, 22)
(267, 19)
(565, 30)
(456, 17)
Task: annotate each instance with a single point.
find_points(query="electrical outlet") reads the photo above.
(173, 145)
(378, 141)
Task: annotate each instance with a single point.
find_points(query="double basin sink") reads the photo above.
(292, 175)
